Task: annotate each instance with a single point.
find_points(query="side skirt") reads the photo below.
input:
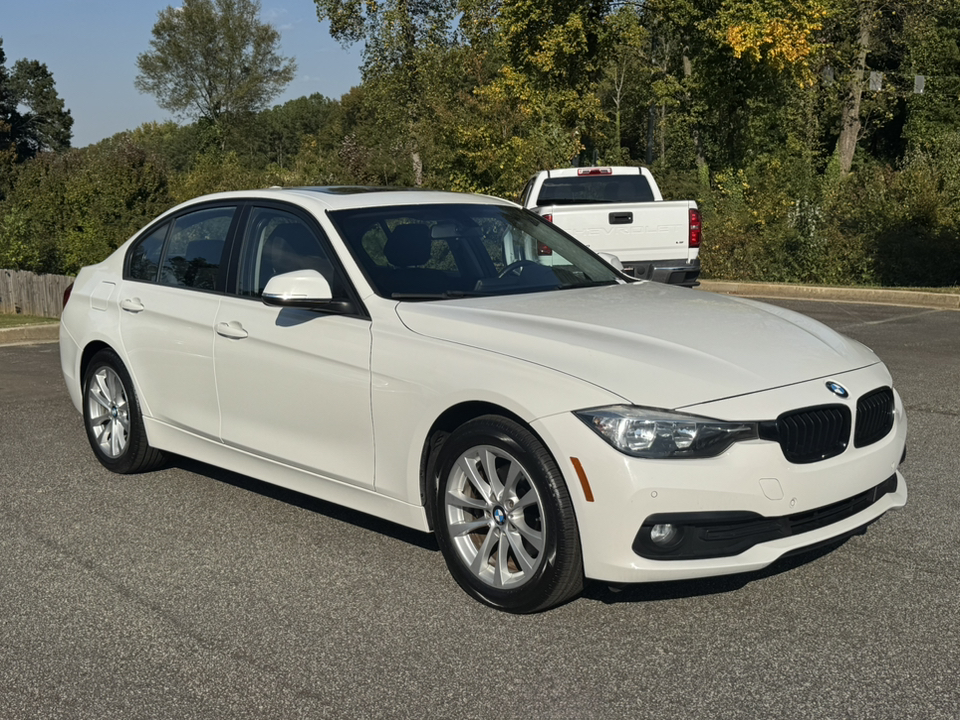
(180, 442)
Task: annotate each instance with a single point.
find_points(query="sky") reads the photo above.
(91, 47)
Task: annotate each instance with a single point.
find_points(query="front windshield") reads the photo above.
(427, 252)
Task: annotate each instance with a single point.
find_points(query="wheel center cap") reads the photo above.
(114, 413)
(499, 515)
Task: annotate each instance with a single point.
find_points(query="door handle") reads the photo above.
(131, 304)
(232, 329)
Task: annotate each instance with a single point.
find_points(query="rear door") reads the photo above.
(168, 303)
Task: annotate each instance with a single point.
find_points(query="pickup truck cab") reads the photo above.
(620, 211)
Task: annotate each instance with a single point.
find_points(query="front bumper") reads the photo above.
(700, 535)
(752, 482)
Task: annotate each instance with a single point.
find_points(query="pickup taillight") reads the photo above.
(696, 230)
(595, 171)
(548, 217)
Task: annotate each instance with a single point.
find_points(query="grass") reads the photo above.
(10, 320)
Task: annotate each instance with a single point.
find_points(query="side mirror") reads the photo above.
(612, 260)
(303, 289)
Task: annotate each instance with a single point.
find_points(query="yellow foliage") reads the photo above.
(782, 33)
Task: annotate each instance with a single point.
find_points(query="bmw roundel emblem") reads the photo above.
(499, 515)
(837, 389)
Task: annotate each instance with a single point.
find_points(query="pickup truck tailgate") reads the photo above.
(632, 232)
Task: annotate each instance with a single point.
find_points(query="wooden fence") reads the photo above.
(27, 293)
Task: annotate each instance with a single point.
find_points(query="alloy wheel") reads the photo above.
(108, 412)
(495, 517)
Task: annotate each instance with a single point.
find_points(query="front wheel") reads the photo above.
(503, 518)
(112, 417)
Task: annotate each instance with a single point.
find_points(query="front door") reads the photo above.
(293, 384)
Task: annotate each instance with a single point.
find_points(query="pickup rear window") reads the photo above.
(585, 190)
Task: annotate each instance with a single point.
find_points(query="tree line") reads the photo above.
(821, 138)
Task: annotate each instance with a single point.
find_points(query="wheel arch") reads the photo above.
(448, 421)
(135, 454)
(86, 356)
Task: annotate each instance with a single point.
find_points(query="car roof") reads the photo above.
(350, 196)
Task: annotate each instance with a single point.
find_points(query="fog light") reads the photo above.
(664, 535)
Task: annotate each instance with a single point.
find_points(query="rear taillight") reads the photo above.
(544, 249)
(66, 294)
(695, 228)
(548, 217)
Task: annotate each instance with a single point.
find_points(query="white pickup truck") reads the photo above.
(620, 211)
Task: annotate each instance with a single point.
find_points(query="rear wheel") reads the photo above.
(504, 519)
(112, 417)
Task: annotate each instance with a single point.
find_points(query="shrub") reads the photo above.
(73, 209)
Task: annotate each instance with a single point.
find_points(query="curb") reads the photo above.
(878, 296)
(49, 332)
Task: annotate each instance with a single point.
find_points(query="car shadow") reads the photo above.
(356, 518)
(679, 589)
(594, 590)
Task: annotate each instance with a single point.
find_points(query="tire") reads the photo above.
(111, 415)
(513, 543)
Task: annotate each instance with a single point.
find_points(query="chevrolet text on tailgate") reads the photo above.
(620, 211)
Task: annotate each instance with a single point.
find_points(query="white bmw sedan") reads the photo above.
(458, 365)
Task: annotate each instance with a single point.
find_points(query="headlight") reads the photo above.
(650, 433)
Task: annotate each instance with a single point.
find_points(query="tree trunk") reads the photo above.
(417, 166)
(850, 114)
(618, 102)
(662, 123)
(619, 141)
(651, 132)
(695, 133)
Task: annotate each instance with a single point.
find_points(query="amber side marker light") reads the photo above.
(587, 492)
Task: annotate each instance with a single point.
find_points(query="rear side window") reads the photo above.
(145, 255)
(585, 190)
(195, 247)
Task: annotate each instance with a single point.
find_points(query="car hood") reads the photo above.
(649, 343)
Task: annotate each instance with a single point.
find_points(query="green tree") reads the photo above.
(933, 42)
(71, 209)
(620, 79)
(214, 60)
(559, 48)
(400, 37)
(178, 145)
(274, 136)
(32, 115)
(860, 38)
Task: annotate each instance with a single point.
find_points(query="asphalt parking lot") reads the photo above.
(195, 593)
